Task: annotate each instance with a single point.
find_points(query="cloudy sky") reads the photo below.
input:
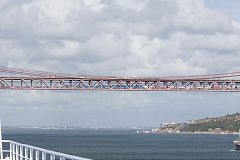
(122, 38)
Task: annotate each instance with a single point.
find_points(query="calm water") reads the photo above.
(126, 144)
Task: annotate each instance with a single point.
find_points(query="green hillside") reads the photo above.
(229, 122)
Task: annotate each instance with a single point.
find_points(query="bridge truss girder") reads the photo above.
(49, 83)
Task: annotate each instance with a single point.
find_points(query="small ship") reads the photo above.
(237, 142)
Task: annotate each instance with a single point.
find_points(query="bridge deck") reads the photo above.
(119, 84)
(40, 80)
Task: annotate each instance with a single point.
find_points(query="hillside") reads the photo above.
(228, 122)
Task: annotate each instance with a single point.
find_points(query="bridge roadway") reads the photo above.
(41, 80)
(115, 83)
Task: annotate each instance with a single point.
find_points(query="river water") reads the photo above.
(116, 144)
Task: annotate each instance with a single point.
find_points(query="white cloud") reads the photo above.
(134, 4)
(94, 5)
(122, 37)
(236, 24)
(90, 33)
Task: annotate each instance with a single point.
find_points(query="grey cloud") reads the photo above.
(149, 38)
(86, 34)
(216, 43)
(111, 108)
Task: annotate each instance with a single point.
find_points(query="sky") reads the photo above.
(118, 38)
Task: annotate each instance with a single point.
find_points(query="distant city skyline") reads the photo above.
(118, 38)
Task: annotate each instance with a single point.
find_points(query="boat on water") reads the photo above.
(237, 142)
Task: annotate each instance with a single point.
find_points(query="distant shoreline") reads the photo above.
(224, 125)
(192, 133)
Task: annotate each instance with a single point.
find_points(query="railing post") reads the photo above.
(43, 156)
(36, 155)
(31, 154)
(62, 158)
(17, 152)
(52, 157)
(10, 152)
(26, 153)
(21, 152)
(13, 151)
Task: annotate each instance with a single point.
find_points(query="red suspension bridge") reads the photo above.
(15, 78)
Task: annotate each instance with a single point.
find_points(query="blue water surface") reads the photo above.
(116, 144)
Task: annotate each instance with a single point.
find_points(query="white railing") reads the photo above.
(17, 151)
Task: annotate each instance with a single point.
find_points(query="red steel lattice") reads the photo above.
(41, 80)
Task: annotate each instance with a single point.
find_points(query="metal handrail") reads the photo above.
(18, 151)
